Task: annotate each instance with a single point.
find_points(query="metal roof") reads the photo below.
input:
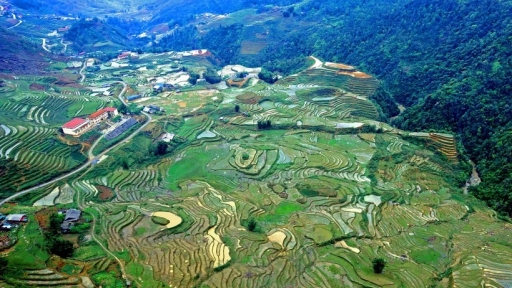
(72, 215)
(16, 217)
(76, 122)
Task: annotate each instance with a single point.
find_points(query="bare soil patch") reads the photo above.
(339, 66)
(43, 216)
(162, 28)
(237, 83)
(356, 74)
(249, 98)
(36, 87)
(105, 192)
(252, 47)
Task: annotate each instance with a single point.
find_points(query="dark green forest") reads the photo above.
(84, 34)
(449, 62)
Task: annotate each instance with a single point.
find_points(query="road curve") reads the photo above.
(82, 72)
(89, 161)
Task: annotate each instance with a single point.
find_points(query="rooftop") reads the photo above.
(101, 111)
(16, 217)
(72, 215)
(76, 122)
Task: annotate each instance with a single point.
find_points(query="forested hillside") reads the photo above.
(22, 56)
(88, 35)
(449, 62)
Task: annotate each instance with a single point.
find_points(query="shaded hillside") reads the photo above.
(182, 10)
(90, 35)
(20, 56)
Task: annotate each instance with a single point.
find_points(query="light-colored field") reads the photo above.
(174, 220)
(49, 199)
(277, 237)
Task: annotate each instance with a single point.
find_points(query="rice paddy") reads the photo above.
(307, 205)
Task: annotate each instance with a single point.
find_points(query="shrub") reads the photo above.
(378, 265)
(79, 229)
(62, 247)
(159, 220)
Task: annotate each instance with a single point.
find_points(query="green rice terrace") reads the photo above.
(294, 184)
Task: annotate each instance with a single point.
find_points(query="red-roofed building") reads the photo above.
(102, 114)
(76, 126)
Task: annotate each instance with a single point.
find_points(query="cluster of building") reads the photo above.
(127, 54)
(78, 126)
(12, 220)
(151, 109)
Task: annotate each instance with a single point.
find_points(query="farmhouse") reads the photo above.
(76, 126)
(72, 215)
(133, 97)
(102, 114)
(167, 137)
(16, 218)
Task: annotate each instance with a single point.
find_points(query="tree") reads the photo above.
(55, 221)
(193, 78)
(211, 76)
(237, 108)
(251, 226)
(378, 265)
(62, 247)
(267, 76)
(264, 124)
(3, 266)
(161, 148)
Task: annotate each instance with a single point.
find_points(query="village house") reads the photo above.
(16, 218)
(133, 97)
(72, 216)
(167, 137)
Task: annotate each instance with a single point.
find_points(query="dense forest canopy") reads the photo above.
(449, 62)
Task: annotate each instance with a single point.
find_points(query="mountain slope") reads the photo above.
(88, 35)
(20, 56)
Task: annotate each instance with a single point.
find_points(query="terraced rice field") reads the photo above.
(308, 203)
(37, 152)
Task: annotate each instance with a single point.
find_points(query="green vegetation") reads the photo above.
(459, 93)
(107, 279)
(159, 220)
(378, 265)
(310, 202)
(85, 34)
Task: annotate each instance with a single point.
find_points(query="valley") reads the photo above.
(296, 183)
(281, 143)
